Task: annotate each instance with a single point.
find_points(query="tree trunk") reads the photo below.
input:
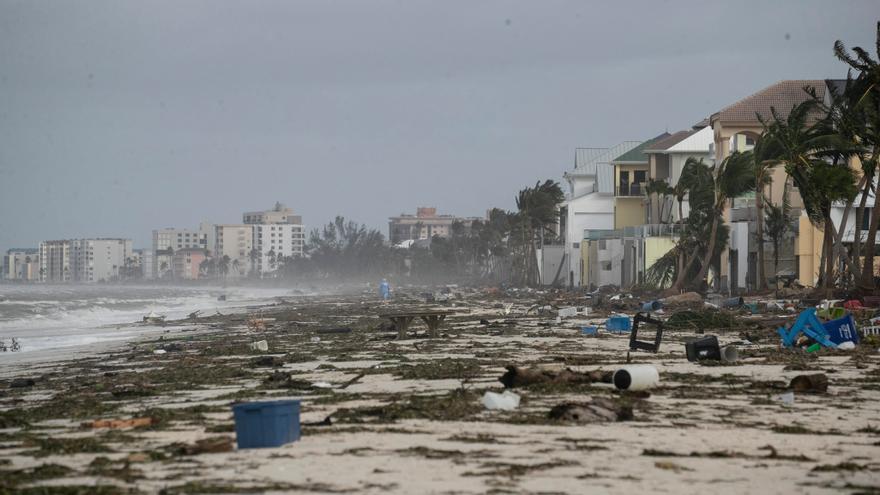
(828, 253)
(838, 240)
(707, 258)
(759, 233)
(679, 281)
(867, 282)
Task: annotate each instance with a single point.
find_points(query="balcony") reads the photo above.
(630, 190)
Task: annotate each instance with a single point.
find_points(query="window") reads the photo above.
(606, 266)
(639, 176)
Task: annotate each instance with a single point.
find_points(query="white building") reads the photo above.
(277, 234)
(55, 261)
(167, 241)
(590, 201)
(98, 260)
(21, 264)
(274, 242)
(235, 241)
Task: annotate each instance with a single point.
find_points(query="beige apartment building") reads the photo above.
(237, 242)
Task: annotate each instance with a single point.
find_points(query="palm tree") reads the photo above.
(236, 266)
(253, 256)
(538, 211)
(223, 266)
(697, 183)
(763, 165)
(779, 223)
(663, 190)
(732, 177)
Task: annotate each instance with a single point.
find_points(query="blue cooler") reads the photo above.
(619, 324)
(266, 424)
(842, 330)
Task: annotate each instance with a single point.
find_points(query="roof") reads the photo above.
(783, 96)
(665, 143)
(586, 159)
(637, 154)
(697, 142)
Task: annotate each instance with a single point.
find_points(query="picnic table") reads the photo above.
(402, 320)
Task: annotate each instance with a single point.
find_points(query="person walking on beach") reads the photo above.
(385, 290)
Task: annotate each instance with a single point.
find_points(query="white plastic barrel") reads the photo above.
(636, 377)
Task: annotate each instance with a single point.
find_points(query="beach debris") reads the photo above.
(842, 330)
(816, 383)
(259, 323)
(635, 344)
(733, 302)
(116, 424)
(651, 306)
(354, 380)
(221, 297)
(729, 354)
(322, 385)
(703, 348)
(22, 383)
(808, 324)
(522, 377)
(685, 298)
(260, 345)
(636, 377)
(210, 445)
(505, 401)
(195, 314)
(596, 410)
(787, 398)
(172, 347)
(589, 330)
(154, 318)
(160, 351)
(506, 308)
(315, 339)
(567, 312)
(846, 346)
(618, 324)
(14, 346)
(266, 362)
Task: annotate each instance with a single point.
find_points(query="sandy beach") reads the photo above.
(383, 415)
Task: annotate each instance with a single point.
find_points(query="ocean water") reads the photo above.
(54, 317)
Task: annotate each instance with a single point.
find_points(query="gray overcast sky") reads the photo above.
(118, 117)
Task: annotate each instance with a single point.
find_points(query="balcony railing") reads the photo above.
(630, 190)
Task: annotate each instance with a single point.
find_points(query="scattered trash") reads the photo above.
(211, 445)
(787, 398)
(221, 297)
(808, 324)
(846, 346)
(598, 409)
(734, 302)
(842, 330)
(635, 344)
(816, 383)
(651, 306)
(685, 298)
(322, 385)
(618, 324)
(267, 362)
(506, 401)
(636, 377)
(315, 339)
(195, 314)
(589, 330)
(522, 377)
(567, 312)
(729, 354)
(266, 424)
(14, 346)
(852, 304)
(507, 308)
(160, 351)
(262, 346)
(703, 348)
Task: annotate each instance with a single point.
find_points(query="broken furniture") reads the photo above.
(635, 344)
(808, 324)
(402, 320)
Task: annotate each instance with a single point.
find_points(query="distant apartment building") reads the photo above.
(235, 241)
(277, 234)
(274, 242)
(22, 264)
(278, 214)
(186, 262)
(167, 241)
(55, 261)
(141, 265)
(425, 224)
(98, 260)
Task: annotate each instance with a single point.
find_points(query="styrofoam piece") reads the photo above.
(506, 401)
(262, 346)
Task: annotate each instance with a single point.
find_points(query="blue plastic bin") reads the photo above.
(266, 424)
(589, 330)
(619, 324)
(842, 330)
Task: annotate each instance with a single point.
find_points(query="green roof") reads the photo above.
(637, 154)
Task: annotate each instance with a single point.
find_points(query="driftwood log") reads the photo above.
(523, 377)
(597, 410)
(816, 383)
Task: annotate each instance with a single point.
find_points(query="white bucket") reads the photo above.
(729, 354)
(636, 377)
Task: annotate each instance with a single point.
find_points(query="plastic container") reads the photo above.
(619, 324)
(703, 348)
(651, 306)
(842, 330)
(589, 330)
(636, 377)
(266, 424)
(729, 354)
(505, 401)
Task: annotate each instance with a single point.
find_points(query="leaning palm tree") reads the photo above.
(538, 213)
(732, 177)
(779, 224)
(762, 163)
